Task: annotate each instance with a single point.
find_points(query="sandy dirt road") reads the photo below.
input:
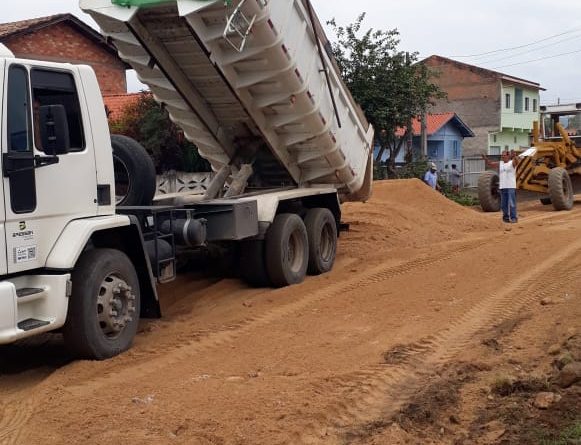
(423, 291)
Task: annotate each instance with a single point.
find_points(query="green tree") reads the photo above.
(149, 124)
(389, 85)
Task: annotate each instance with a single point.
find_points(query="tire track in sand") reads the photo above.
(214, 339)
(80, 385)
(14, 415)
(378, 392)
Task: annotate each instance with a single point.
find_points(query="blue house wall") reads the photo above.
(444, 147)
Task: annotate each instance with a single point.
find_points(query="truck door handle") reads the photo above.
(14, 165)
(41, 161)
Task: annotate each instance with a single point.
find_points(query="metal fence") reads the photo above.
(471, 169)
(176, 182)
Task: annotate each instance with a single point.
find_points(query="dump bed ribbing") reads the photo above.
(246, 83)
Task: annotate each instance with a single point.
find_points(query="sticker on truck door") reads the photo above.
(24, 254)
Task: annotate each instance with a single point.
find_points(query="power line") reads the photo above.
(537, 60)
(521, 46)
(494, 60)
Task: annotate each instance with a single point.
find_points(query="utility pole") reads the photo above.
(410, 127)
(424, 135)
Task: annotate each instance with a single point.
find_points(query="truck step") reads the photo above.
(32, 323)
(28, 291)
(27, 294)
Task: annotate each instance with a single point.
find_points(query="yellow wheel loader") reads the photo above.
(548, 166)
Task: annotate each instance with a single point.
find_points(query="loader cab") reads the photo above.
(48, 162)
(569, 116)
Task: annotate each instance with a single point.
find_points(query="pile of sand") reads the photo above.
(408, 213)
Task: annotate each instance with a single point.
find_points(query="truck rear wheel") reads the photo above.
(488, 191)
(322, 234)
(135, 181)
(560, 189)
(104, 306)
(287, 250)
(252, 264)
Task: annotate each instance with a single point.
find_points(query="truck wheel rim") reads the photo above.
(122, 180)
(326, 243)
(295, 251)
(115, 306)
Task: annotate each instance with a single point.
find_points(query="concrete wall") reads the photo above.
(62, 42)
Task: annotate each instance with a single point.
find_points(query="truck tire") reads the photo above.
(322, 234)
(252, 264)
(104, 306)
(135, 181)
(287, 250)
(560, 189)
(488, 192)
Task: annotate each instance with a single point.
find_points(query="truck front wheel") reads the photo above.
(104, 306)
(287, 250)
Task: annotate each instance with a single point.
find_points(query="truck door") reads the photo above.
(48, 163)
(3, 265)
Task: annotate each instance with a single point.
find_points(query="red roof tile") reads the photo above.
(116, 104)
(433, 123)
(7, 29)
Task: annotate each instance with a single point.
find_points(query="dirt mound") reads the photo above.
(407, 213)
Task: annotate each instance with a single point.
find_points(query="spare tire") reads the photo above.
(135, 181)
(488, 191)
(560, 189)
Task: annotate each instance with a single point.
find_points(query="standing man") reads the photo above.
(507, 184)
(455, 179)
(431, 177)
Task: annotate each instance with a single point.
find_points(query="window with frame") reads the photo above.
(534, 105)
(455, 150)
(495, 150)
(19, 123)
(527, 104)
(58, 88)
(507, 101)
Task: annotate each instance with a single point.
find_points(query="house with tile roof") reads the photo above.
(65, 38)
(116, 104)
(499, 108)
(445, 133)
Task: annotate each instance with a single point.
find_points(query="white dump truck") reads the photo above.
(251, 83)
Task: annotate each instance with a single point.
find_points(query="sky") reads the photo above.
(497, 34)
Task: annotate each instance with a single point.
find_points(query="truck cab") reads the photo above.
(54, 136)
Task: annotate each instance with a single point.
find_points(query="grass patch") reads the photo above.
(570, 435)
(505, 386)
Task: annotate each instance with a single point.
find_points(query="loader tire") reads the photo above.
(322, 234)
(104, 306)
(135, 181)
(488, 191)
(546, 201)
(252, 263)
(560, 189)
(287, 250)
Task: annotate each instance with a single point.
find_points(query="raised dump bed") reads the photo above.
(248, 83)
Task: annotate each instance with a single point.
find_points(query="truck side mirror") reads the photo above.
(54, 130)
